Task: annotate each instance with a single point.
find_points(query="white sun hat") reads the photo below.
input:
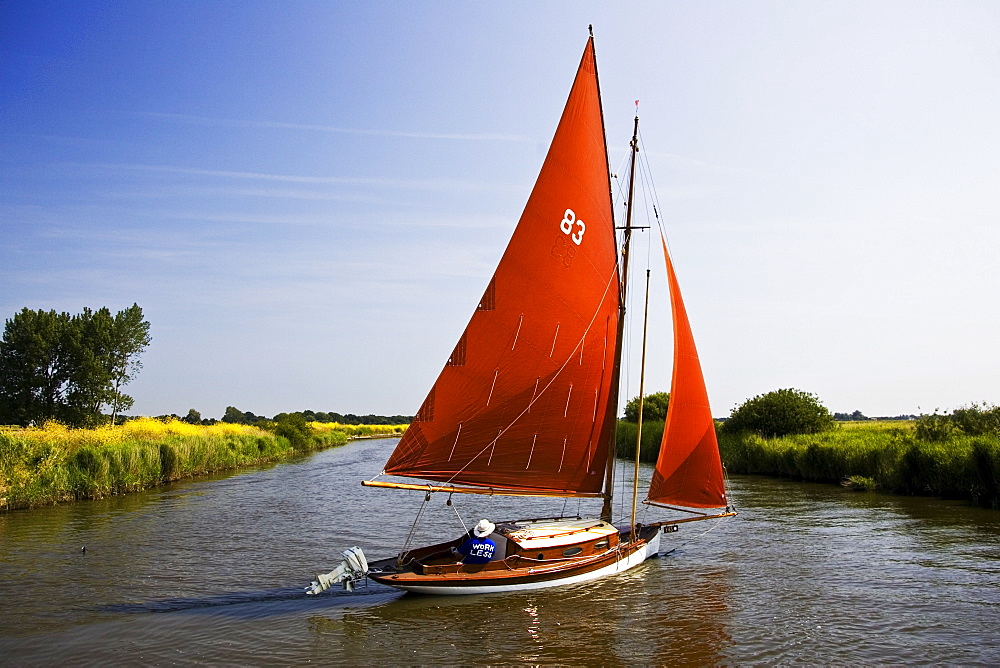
(484, 528)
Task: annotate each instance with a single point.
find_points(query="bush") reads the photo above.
(977, 420)
(780, 413)
(293, 426)
(654, 408)
(935, 428)
(974, 420)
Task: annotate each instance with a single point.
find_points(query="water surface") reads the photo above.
(213, 571)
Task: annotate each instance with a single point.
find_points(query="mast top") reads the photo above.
(591, 29)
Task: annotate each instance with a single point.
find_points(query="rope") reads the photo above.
(457, 514)
(416, 520)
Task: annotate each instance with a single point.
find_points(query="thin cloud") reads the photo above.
(236, 123)
(413, 184)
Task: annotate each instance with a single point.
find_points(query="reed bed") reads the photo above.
(652, 433)
(873, 455)
(887, 458)
(45, 465)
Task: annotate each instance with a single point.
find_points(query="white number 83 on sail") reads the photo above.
(568, 221)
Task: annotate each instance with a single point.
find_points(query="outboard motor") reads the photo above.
(353, 569)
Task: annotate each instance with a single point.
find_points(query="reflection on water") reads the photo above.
(213, 571)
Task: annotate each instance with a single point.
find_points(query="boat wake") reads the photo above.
(289, 596)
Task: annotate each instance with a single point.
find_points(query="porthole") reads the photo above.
(572, 551)
(541, 556)
(601, 544)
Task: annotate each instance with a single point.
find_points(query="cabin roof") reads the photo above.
(537, 534)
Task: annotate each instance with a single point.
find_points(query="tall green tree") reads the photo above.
(654, 407)
(90, 348)
(68, 368)
(234, 415)
(129, 337)
(35, 367)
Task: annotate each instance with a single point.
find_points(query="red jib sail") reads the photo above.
(523, 401)
(688, 470)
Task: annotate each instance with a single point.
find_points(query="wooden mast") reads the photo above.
(642, 397)
(606, 510)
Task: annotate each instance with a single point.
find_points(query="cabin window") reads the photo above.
(541, 556)
(572, 551)
(601, 544)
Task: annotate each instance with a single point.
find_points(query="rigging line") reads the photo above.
(725, 487)
(562, 367)
(652, 188)
(458, 514)
(649, 172)
(416, 520)
(649, 191)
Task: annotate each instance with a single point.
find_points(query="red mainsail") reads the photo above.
(689, 469)
(523, 401)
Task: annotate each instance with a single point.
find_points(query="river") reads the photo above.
(212, 571)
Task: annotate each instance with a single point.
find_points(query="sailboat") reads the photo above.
(526, 404)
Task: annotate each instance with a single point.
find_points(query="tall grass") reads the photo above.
(54, 463)
(892, 459)
(652, 432)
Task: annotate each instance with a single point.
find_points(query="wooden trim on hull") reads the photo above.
(524, 577)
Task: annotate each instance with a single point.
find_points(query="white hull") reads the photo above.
(636, 558)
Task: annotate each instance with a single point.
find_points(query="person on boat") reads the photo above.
(478, 550)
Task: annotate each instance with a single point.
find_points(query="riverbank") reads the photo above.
(51, 464)
(884, 456)
(876, 458)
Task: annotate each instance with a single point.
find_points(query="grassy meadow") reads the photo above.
(45, 465)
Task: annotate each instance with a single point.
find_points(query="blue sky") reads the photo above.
(308, 198)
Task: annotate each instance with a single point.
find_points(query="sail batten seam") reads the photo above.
(453, 445)
(495, 374)
(517, 333)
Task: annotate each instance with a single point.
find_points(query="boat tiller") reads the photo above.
(353, 569)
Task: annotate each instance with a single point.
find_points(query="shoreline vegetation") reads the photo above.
(896, 456)
(934, 455)
(46, 465)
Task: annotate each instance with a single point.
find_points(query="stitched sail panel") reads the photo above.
(504, 399)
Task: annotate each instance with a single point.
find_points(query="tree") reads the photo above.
(780, 413)
(129, 337)
(35, 367)
(654, 407)
(234, 415)
(57, 366)
(192, 417)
